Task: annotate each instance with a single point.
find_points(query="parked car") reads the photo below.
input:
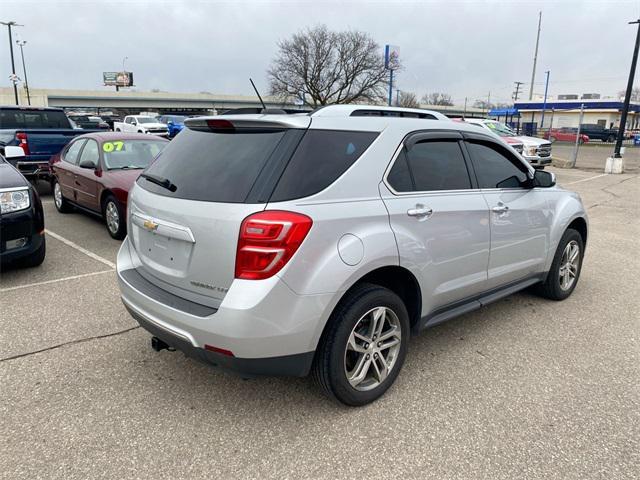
(89, 122)
(536, 150)
(289, 244)
(565, 134)
(175, 123)
(599, 132)
(142, 124)
(513, 142)
(96, 171)
(40, 132)
(22, 240)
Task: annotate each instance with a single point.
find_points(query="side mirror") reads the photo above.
(544, 179)
(13, 152)
(87, 164)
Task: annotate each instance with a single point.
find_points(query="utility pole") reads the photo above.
(577, 145)
(544, 104)
(13, 66)
(488, 102)
(535, 57)
(516, 94)
(22, 43)
(627, 97)
(465, 108)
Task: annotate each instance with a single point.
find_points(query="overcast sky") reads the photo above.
(464, 48)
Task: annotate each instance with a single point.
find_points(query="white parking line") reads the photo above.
(587, 179)
(81, 249)
(46, 282)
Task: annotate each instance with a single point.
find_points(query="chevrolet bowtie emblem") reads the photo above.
(150, 225)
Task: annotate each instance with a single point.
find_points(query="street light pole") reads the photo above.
(627, 97)
(13, 65)
(544, 104)
(22, 43)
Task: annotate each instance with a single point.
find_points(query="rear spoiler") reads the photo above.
(229, 124)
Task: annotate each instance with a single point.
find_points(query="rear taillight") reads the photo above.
(267, 242)
(22, 138)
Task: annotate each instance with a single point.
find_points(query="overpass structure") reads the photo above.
(131, 102)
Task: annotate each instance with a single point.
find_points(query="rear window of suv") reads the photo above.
(238, 167)
(213, 166)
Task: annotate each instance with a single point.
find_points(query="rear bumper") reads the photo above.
(269, 329)
(290, 365)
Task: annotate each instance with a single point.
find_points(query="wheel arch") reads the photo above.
(393, 277)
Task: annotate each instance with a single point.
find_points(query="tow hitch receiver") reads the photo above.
(159, 345)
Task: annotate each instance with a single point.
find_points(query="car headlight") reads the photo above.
(531, 151)
(14, 200)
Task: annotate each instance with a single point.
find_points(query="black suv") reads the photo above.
(21, 218)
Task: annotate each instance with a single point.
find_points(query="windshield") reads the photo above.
(176, 119)
(501, 129)
(124, 154)
(147, 120)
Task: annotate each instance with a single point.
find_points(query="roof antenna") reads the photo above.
(257, 93)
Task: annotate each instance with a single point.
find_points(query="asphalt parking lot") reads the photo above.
(525, 388)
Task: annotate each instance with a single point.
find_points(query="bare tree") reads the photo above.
(408, 100)
(323, 67)
(635, 94)
(437, 98)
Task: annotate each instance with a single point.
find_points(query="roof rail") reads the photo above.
(376, 111)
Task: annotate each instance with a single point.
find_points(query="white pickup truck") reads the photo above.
(142, 124)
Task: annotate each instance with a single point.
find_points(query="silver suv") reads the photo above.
(289, 244)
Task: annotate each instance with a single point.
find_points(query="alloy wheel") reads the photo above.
(372, 349)
(57, 195)
(112, 217)
(569, 264)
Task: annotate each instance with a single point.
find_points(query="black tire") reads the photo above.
(120, 231)
(118, 130)
(611, 138)
(63, 206)
(551, 287)
(329, 363)
(552, 139)
(36, 257)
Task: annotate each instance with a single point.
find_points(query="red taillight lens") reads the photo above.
(24, 144)
(267, 242)
(220, 125)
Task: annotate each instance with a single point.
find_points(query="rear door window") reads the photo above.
(321, 157)
(438, 165)
(213, 166)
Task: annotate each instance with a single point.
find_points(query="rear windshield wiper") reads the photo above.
(161, 181)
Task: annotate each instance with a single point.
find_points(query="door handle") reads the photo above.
(420, 211)
(500, 208)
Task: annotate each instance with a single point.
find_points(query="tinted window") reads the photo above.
(72, 153)
(494, 167)
(10, 118)
(399, 177)
(321, 157)
(211, 166)
(438, 165)
(90, 153)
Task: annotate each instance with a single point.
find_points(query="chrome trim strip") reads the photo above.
(13, 189)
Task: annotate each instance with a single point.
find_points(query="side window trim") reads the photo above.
(427, 136)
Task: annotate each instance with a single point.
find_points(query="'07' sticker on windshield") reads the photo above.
(111, 146)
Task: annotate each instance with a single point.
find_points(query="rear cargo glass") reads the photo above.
(321, 157)
(18, 119)
(213, 166)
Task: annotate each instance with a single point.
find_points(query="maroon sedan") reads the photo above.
(95, 172)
